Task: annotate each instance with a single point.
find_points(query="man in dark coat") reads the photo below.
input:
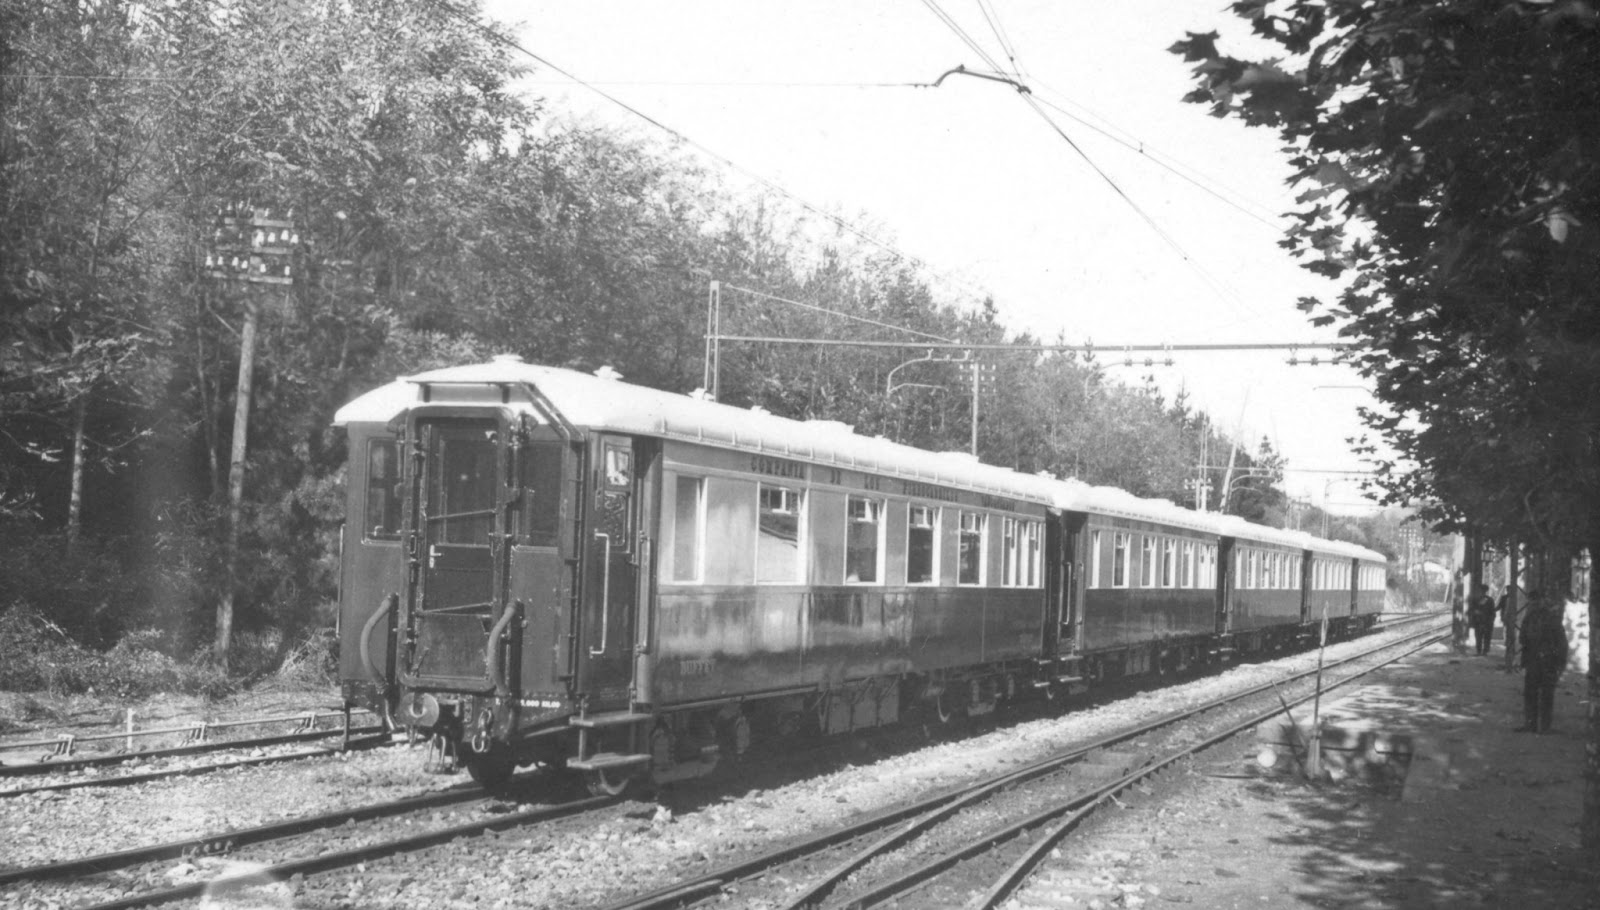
(1480, 616)
(1544, 657)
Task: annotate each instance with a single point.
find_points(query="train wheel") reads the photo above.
(607, 783)
(492, 767)
(733, 736)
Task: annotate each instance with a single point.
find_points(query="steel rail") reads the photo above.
(123, 780)
(308, 719)
(931, 808)
(225, 841)
(76, 763)
(1075, 810)
(222, 884)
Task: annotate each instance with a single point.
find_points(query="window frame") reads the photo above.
(1121, 553)
(393, 480)
(802, 532)
(979, 530)
(933, 528)
(877, 506)
(700, 485)
(1093, 581)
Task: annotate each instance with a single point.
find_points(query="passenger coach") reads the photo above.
(544, 565)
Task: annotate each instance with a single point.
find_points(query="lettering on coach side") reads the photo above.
(998, 502)
(920, 490)
(777, 467)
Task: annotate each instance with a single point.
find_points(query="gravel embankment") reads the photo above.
(694, 828)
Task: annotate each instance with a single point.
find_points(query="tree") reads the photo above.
(1451, 170)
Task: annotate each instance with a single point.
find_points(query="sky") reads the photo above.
(1092, 235)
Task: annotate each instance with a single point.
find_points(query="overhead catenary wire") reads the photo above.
(992, 16)
(820, 212)
(821, 309)
(1224, 294)
(961, 33)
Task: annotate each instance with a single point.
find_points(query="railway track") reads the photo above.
(280, 850)
(927, 854)
(194, 739)
(370, 738)
(351, 837)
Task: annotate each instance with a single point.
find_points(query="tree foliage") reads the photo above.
(1450, 163)
(444, 219)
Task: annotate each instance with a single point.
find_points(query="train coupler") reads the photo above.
(442, 757)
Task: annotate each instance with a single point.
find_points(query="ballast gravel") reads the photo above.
(576, 863)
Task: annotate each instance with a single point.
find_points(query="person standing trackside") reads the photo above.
(1480, 616)
(1544, 657)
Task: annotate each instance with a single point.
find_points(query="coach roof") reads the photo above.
(597, 402)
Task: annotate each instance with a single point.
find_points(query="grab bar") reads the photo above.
(495, 663)
(605, 596)
(366, 638)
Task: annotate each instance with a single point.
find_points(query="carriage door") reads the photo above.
(1067, 581)
(1225, 585)
(457, 550)
(617, 550)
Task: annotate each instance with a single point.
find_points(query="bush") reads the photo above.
(36, 655)
(314, 661)
(80, 590)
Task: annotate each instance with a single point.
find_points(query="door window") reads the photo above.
(460, 496)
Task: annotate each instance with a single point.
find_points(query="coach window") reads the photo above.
(1008, 552)
(863, 541)
(1147, 561)
(1021, 554)
(383, 490)
(778, 541)
(688, 528)
(1186, 565)
(922, 545)
(1169, 562)
(541, 493)
(1035, 553)
(973, 559)
(1119, 560)
(1094, 580)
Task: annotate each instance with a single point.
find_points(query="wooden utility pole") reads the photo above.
(250, 247)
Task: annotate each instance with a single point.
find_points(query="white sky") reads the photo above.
(970, 180)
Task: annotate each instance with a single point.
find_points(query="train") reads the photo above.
(541, 565)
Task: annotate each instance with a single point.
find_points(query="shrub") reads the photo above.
(36, 655)
(314, 661)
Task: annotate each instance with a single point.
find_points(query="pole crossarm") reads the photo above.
(1036, 348)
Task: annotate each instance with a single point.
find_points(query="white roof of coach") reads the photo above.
(591, 401)
(1082, 497)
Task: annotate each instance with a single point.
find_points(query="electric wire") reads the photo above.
(1229, 297)
(1205, 275)
(820, 309)
(842, 223)
(992, 16)
(1169, 164)
(954, 26)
